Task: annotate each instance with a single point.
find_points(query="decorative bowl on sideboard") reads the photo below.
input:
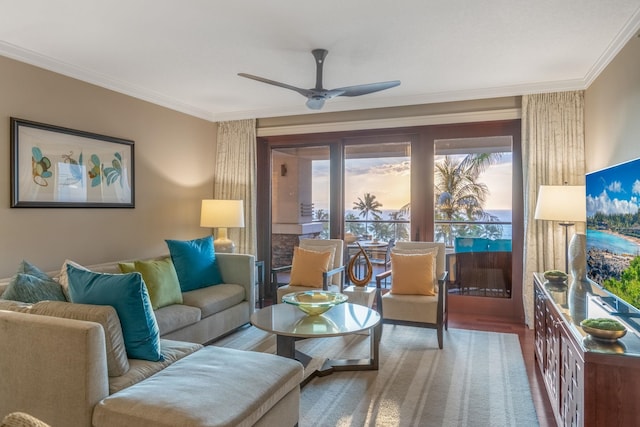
(610, 331)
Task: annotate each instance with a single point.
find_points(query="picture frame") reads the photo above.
(58, 167)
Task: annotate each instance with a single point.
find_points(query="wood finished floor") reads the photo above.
(526, 335)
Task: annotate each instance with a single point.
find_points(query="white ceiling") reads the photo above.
(185, 54)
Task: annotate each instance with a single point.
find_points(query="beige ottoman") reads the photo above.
(214, 386)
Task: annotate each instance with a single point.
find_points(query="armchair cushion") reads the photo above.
(413, 274)
(308, 266)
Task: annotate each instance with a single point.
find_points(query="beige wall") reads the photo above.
(612, 111)
(174, 158)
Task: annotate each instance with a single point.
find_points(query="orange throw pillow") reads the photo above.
(412, 274)
(308, 266)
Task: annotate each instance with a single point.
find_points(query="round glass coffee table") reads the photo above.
(290, 324)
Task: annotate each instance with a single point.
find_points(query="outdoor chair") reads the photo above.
(317, 264)
(418, 294)
(383, 259)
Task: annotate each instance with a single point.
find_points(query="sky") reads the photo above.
(389, 180)
(614, 190)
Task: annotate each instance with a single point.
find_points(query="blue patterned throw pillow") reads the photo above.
(32, 289)
(31, 285)
(126, 293)
(195, 263)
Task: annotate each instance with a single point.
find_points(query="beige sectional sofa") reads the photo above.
(66, 364)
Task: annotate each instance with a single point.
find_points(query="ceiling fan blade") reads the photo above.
(303, 92)
(367, 88)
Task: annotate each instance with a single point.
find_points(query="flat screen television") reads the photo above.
(613, 230)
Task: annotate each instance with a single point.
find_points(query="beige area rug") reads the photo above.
(478, 379)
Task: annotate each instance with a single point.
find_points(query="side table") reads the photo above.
(360, 295)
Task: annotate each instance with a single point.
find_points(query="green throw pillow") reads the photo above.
(161, 280)
(195, 263)
(32, 289)
(128, 295)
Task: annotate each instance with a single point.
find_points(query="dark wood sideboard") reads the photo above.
(588, 382)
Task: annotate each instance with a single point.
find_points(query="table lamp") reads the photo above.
(222, 214)
(564, 203)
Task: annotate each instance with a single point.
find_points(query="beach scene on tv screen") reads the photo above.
(613, 229)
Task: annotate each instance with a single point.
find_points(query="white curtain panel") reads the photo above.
(553, 154)
(235, 177)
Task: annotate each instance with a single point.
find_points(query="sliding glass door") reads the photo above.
(399, 184)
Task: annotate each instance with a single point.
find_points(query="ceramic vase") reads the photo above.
(579, 285)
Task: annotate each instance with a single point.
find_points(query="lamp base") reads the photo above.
(223, 244)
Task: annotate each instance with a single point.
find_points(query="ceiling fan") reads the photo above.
(318, 95)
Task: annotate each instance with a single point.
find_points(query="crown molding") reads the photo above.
(91, 76)
(627, 32)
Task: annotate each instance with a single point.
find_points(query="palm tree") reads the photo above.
(400, 230)
(458, 194)
(351, 226)
(323, 216)
(366, 206)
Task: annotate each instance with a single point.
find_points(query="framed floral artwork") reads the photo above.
(57, 167)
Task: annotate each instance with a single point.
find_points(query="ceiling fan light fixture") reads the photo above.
(315, 103)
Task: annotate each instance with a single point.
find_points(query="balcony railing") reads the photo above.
(444, 231)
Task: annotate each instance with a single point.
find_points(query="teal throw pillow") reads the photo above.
(31, 289)
(195, 263)
(126, 293)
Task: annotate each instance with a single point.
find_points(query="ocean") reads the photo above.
(611, 242)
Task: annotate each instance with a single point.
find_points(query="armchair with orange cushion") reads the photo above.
(418, 294)
(317, 264)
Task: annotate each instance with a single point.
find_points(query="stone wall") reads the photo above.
(282, 247)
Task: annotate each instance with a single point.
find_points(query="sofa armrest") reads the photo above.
(239, 269)
(49, 363)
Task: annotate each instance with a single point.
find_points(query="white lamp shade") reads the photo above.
(561, 203)
(222, 214)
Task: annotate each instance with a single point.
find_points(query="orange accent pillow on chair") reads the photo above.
(308, 266)
(412, 274)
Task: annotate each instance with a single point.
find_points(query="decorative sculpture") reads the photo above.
(351, 269)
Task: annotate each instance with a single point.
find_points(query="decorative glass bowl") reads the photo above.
(314, 302)
(609, 335)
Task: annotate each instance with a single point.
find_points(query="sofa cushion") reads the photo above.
(117, 362)
(176, 316)
(141, 369)
(195, 262)
(27, 288)
(161, 280)
(235, 388)
(128, 295)
(9, 305)
(214, 299)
